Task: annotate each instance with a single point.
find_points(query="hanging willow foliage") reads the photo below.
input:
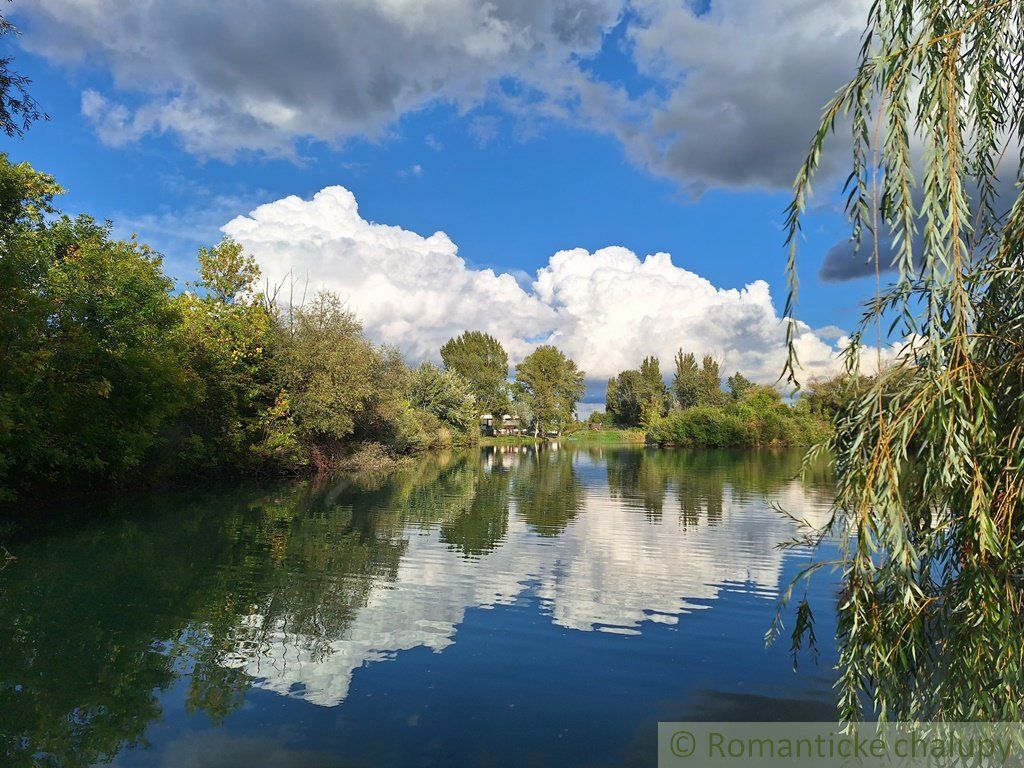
(930, 462)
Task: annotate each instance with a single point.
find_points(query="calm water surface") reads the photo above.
(508, 607)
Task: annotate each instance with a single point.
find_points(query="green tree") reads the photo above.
(227, 273)
(611, 397)
(225, 334)
(94, 373)
(686, 383)
(551, 385)
(26, 254)
(481, 360)
(446, 395)
(18, 110)
(828, 396)
(653, 397)
(380, 419)
(111, 349)
(26, 195)
(928, 462)
(625, 399)
(739, 385)
(637, 397)
(106, 372)
(709, 383)
(325, 371)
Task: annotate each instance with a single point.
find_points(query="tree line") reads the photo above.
(695, 410)
(111, 373)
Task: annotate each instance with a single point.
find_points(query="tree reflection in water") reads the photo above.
(292, 587)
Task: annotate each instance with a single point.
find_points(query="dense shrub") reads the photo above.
(91, 370)
(699, 426)
(758, 418)
(449, 399)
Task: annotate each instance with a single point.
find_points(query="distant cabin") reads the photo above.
(505, 425)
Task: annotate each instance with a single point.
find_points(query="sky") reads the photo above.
(609, 176)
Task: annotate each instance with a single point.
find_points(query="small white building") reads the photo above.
(506, 425)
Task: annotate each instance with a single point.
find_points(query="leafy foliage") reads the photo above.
(709, 383)
(550, 385)
(91, 371)
(639, 396)
(739, 385)
(225, 335)
(481, 360)
(928, 458)
(759, 418)
(446, 396)
(18, 110)
(829, 396)
(685, 385)
(109, 374)
(624, 398)
(228, 274)
(695, 411)
(697, 385)
(334, 379)
(699, 426)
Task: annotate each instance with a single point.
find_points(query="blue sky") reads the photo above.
(609, 139)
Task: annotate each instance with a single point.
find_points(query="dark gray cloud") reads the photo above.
(748, 81)
(240, 75)
(731, 92)
(844, 261)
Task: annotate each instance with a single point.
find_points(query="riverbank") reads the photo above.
(578, 437)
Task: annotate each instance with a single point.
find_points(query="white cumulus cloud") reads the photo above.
(607, 309)
(412, 291)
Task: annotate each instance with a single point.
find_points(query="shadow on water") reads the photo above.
(496, 585)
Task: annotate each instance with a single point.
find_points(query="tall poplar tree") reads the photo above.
(685, 385)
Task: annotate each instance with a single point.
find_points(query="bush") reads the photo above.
(759, 418)
(419, 430)
(446, 396)
(702, 426)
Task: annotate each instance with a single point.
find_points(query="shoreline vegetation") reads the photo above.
(695, 411)
(585, 434)
(119, 378)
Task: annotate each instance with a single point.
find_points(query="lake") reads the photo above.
(508, 606)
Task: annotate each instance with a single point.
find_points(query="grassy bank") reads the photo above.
(609, 436)
(510, 440)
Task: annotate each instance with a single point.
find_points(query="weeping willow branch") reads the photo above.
(929, 464)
